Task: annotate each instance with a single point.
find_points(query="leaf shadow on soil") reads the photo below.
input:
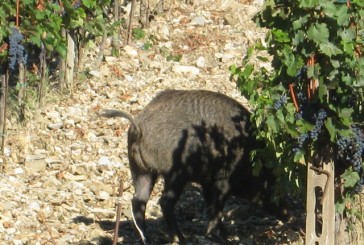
(244, 222)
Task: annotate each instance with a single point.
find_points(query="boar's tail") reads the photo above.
(116, 113)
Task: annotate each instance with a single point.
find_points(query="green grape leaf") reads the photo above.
(309, 3)
(319, 33)
(350, 178)
(343, 17)
(299, 23)
(340, 207)
(89, 3)
(271, 122)
(329, 8)
(280, 36)
(61, 49)
(347, 35)
(331, 129)
(329, 49)
(247, 71)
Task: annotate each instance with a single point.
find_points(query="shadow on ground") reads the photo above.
(244, 222)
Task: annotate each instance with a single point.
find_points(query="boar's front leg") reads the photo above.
(173, 187)
(215, 195)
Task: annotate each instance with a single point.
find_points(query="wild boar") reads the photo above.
(190, 136)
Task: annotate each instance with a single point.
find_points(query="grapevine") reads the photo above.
(17, 52)
(311, 100)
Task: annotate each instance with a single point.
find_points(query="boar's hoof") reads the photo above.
(217, 231)
(178, 239)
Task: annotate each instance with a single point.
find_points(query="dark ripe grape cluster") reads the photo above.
(299, 115)
(360, 185)
(17, 52)
(302, 101)
(280, 102)
(301, 96)
(351, 150)
(319, 122)
(313, 134)
(301, 74)
(300, 141)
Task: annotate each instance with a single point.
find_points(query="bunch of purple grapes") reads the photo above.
(351, 150)
(301, 97)
(319, 118)
(17, 52)
(319, 122)
(301, 74)
(280, 102)
(300, 141)
(302, 101)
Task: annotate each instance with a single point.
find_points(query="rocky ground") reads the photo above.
(63, 168)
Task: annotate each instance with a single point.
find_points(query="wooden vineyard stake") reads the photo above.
(70, 63)
(320, 217)
(3, 107)
(131, 15)
(118, 213)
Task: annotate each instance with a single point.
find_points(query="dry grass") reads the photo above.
(356, 230)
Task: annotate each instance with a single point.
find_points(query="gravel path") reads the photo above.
(63, 167)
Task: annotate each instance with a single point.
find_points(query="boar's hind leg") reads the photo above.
(173, 187)
(143, 184)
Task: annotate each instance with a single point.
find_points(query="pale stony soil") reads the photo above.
(64, 166)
